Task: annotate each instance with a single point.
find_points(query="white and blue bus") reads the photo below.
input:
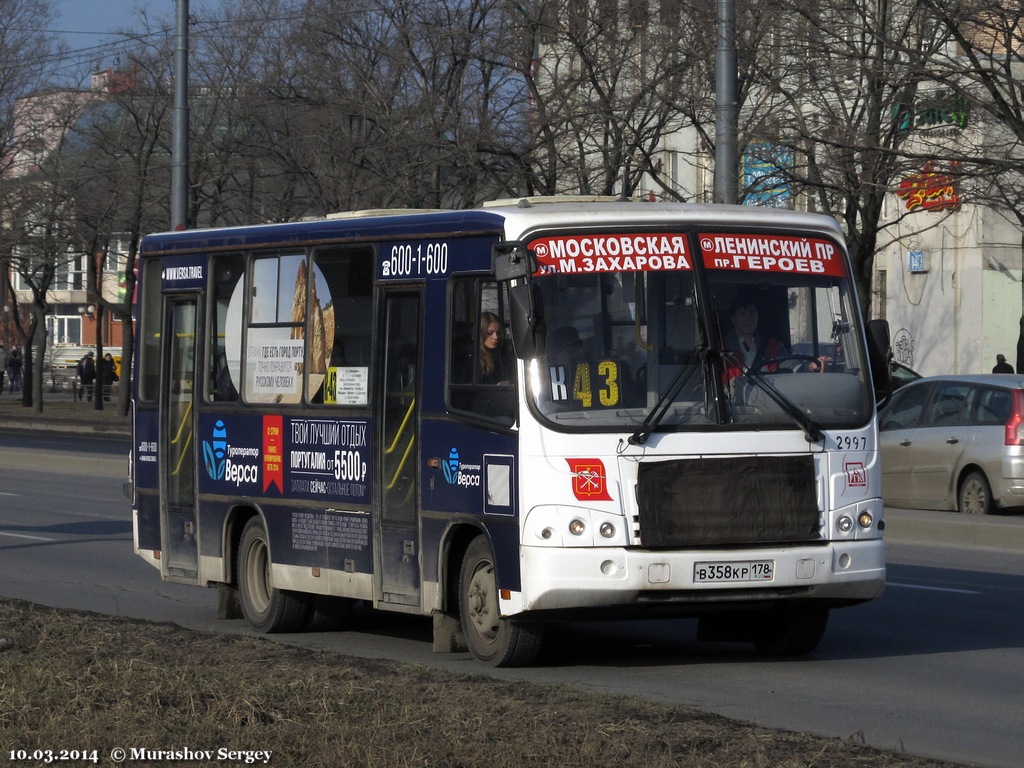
(537, 410)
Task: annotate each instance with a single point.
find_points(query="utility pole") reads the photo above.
(726, 166)
(179, 145)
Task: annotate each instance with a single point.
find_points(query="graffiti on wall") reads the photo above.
(930, 190)
(903, 348)
(943, 113)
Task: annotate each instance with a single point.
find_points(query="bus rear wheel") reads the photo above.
(495, 641)
(265, 608)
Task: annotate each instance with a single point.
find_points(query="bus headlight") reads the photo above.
(555, 525)
(866, 519)
(844, 523)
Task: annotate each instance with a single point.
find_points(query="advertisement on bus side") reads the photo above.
(278, 456)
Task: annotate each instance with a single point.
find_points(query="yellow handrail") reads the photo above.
(401, 428)
(394, 444)
(177, 437)
(398, 469)
(184, 421)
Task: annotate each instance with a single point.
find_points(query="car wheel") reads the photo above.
(975, 497)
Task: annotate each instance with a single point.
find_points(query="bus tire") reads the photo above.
(790, 630)
(493, 640)
(267, 609)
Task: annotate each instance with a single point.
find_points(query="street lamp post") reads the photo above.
(179, 145)
(726, 184)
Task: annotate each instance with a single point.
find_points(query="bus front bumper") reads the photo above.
(567, 579)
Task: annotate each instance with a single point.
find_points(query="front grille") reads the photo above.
(735, 501)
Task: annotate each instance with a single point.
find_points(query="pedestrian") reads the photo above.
(86, 370)
(106, 372)
(3, 366)
(1001, 365)
(14, 369)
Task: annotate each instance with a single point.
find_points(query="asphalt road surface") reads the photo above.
(934, 668)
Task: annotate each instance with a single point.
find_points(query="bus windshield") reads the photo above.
(733, 342)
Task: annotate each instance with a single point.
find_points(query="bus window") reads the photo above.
(149, 333)
(794, 324)
(481, 365)
(614, 342)
(345, 299)
(228, 271)
(275, 337)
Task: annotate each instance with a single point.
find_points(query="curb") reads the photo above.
(66, 427)
(914, 526)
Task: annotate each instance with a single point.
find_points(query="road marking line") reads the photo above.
(933, 589)
(23, 536)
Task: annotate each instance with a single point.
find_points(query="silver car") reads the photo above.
(955, 442)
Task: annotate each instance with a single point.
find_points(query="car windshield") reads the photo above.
(746, 346)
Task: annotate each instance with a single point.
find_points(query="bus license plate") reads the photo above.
(750, 570)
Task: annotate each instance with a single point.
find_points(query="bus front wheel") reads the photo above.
(495, 641)
(265, 608)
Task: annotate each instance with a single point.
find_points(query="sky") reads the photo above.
(87, 26)
(87, 23)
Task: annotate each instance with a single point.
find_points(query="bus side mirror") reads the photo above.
(513, 264)
(880, 359)
(512, 261)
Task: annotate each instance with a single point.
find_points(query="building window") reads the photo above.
(69, 274)
(64, 329)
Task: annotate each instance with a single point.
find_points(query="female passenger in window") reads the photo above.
(491, 362)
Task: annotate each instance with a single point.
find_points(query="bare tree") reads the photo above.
(25, 61)
(390, 103)
(984, 67)
(830, 103)
(37, 198)
(609, 85)
(118, 152)
(26, 58)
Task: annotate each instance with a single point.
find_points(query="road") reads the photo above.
(935, 667)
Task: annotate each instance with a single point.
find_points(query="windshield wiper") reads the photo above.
(661, 407)
(810, 427)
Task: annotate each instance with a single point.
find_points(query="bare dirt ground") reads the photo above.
(162, 694)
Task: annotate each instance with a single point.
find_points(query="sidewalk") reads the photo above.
(63, 414)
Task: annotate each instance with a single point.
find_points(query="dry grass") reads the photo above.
(74, 680)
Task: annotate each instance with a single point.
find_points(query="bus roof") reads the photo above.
(508, 219)
(372, 227)
(521, 218)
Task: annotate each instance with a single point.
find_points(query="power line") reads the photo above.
(219, 28)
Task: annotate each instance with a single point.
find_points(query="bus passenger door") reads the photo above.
(397, 530)
(179, 524)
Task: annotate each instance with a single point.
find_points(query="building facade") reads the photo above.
(73, 321)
